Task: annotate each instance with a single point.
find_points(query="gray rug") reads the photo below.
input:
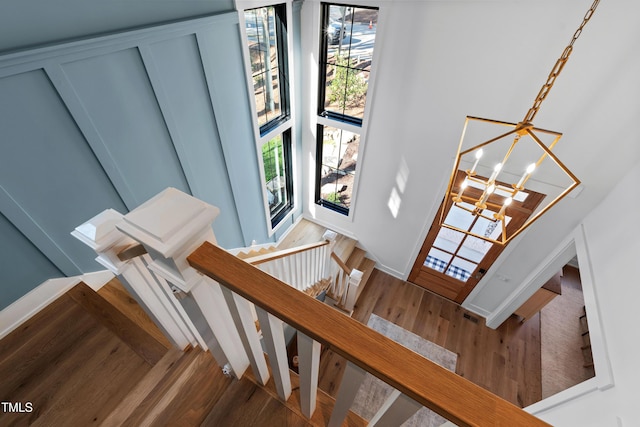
(373, 392)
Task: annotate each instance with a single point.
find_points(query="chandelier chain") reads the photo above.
(557, 68)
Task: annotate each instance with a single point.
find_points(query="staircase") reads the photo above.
(96, 359)
(345, 258)
(203, 297)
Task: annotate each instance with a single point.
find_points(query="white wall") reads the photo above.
(613, 241)
(442, 61)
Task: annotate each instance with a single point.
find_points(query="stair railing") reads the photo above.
(418, 381)
(313, 265)
(301, 267)
(218, 289)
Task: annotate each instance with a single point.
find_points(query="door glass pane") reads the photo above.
(474, 249)
(488, 228)
(461, 269)
(437, 260)
(459, 218)
(448, 239)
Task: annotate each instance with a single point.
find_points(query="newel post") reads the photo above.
(171, 226)
(352, 289)
(152, 293)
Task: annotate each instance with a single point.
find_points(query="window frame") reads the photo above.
(323, 118)
(288, 164)
(285, 123)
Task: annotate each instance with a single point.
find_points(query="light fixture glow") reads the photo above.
(485, 198)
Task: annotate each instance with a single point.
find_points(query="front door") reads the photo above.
(451, 263)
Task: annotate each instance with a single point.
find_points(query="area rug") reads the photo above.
(373, 392)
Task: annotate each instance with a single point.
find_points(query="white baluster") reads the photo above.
(308, 367)
(243, 317)
(151, 292)
(273, 335)
(351, 381)
(171, 226)
(397, 409)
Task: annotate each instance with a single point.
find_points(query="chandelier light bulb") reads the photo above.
(478, 155)
(507, 202)
(527, 172)
(496, 170)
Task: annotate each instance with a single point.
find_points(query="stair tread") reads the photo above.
(135, 337)
(66, 396)
(187, 391)
(116, 294)
(324, 403)
(54, 319)
(135, 397)
(244, 254)
(258, 409)
(305, 232)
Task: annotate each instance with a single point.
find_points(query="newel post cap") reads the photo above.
(166, 222)
(100, 233)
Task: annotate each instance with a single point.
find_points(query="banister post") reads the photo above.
(152, 293)
(308, 368)
(352, 290)
(351, 380)
(170, 226)
(395, 410)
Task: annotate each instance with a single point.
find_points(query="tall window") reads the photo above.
(346, 51)
(266, 37)
(276, 160)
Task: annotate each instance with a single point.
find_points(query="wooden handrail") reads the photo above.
(431, 385)
(341, 263)
(270, 256)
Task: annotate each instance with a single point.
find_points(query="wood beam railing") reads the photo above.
(440, 390)
(271, 256)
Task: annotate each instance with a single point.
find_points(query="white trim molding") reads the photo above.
(32, 303)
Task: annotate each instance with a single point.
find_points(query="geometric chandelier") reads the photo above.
(491, 181)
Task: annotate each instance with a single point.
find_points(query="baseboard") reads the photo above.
(30, 304)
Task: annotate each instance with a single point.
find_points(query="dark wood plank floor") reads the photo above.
(505, 361)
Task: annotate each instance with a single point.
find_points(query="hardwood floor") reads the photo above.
(55, 360)
(505, 361)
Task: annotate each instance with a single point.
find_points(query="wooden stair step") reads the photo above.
(250, 253)
(68, 365)
(116, 294)
(56, 318)
(84, 387)
(135, 337)
(324, 403)
(30, 353)
(247, 404)
(318, 288)
(184, 395)
(305, 232)
(136, 396)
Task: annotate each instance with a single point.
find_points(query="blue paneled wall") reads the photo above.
(110, 122)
